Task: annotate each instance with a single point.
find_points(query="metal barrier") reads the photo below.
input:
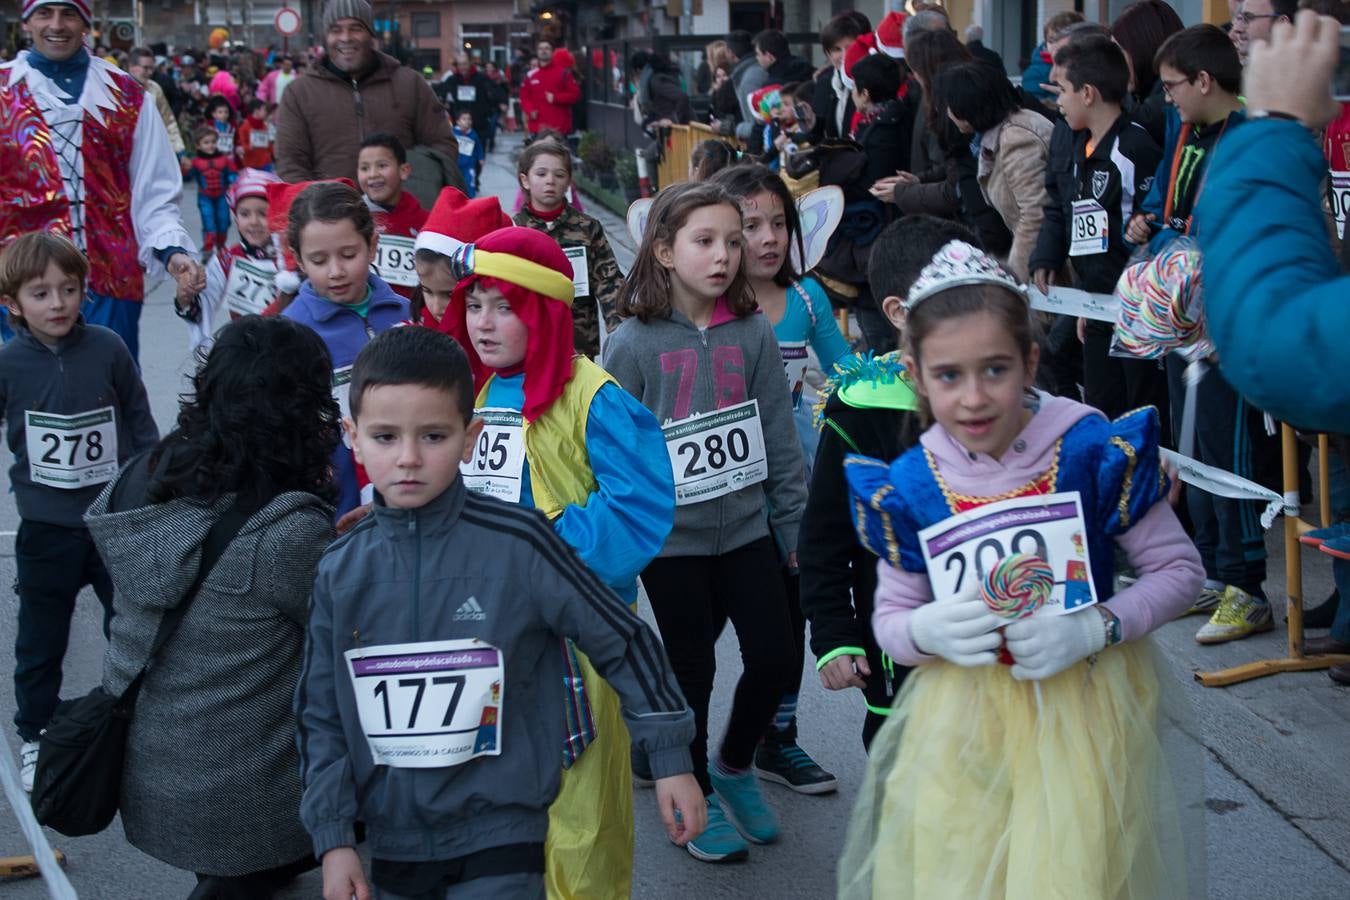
(679, 142)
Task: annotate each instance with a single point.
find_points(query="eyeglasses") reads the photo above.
(1170, 86)
(1248, 18)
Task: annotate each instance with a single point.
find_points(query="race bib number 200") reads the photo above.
(969, 544)
(430, 704)
(70, 452)
(716, 453)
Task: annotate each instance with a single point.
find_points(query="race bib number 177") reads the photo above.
(964, 548)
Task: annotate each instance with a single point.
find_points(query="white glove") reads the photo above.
(960, 629)
(1043, 645)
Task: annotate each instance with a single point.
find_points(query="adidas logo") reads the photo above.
(470, 611)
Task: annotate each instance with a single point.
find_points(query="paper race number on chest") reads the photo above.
(1090, 228)
(430, 704)
(248, 290)
(1050, 526)
(581, 275)
(394, 260)
(498, 464)
(71, 452)
(716, 453)
(259, 140)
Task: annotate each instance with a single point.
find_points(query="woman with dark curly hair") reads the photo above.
(1140, 30)
(211, 778)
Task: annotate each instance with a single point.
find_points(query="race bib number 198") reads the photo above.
(1090, 229)
(716, 453)
(431, 704)
(71, 452)
(969, 544)
(394, 260)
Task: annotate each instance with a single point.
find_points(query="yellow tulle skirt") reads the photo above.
(589, 851)
(975, 791)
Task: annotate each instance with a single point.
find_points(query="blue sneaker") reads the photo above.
(1318, 536)
(719, 842)
(744, 805)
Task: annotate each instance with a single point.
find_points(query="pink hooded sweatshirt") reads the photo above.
(1168, 565)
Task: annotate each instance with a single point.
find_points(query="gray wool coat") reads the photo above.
(211, 782)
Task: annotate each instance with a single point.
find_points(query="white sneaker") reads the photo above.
(28, 755)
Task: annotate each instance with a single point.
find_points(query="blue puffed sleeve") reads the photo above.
(626, 521)
(825, 339)
(881, 516)
(1130, 478)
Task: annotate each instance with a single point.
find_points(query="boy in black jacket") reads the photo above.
(869, 409)
(1113, 165)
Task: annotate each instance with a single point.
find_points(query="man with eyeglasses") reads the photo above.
(1253, 20)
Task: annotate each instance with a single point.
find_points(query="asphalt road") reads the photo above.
(1274, 751)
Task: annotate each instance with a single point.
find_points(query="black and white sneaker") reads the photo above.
(784, 762)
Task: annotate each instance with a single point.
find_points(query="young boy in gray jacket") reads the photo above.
(74, 410)
(430, 705)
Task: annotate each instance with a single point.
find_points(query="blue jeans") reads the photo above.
(54, 562)
(215, 214)
(122, 316)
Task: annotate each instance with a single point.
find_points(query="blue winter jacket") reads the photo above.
(1275, 301)
(1156, 201)
(345, 333)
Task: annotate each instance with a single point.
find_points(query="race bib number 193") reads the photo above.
(394, 260)
(969, 544)
(430, 704)
(71, 452)
(716, 453)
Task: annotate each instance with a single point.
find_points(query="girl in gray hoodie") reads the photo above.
(695, 351)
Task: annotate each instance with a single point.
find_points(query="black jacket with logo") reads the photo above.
(1117, 175)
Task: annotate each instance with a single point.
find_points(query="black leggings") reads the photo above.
(692, 597)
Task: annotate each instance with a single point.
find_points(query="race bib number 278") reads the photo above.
(70, 452)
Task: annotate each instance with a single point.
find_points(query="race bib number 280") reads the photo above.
(967, 546)
(71, 452)
(430, 704)
(716, 453)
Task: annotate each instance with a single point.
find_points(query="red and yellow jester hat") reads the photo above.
(535, 276)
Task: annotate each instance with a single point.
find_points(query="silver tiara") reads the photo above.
(957, 264)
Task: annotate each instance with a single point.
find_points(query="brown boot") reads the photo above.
(1321, 646)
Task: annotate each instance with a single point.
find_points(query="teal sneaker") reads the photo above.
(744, 806)
(719, 842)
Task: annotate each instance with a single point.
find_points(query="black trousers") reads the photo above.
(1117, 386)
(54, 563)
(693, 597)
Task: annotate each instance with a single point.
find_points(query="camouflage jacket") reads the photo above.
(576, 229)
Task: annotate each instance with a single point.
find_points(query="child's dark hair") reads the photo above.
(215, 102)
(30, 254)
(904, 247)
(328, 201)
(879, 76)
(531, 154)
(1203, 48)
(977, 93)
(710, 157)
(460, 111)
(773, 41)
(389, 142)
(422, 357)
(204, 131)
(255, 104)
(645, 292)
(1097, 61)
(418, 302)
(263, 377)
(742, 182)
(1011, 309)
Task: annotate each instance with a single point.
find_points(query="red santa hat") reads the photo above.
(455, 220)
(250, 183)
(535, 276)
(80, 6)
(280, 196)
(864, 46)
(890, 35)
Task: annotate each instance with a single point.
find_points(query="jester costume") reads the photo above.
(596, 466)
(981, 786)
(84, 153)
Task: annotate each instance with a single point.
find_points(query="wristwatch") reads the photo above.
(1112, 625)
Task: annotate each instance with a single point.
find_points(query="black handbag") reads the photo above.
(77, 786)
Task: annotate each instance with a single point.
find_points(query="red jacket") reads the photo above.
(404, 220)
(254, 157)
(557, 79)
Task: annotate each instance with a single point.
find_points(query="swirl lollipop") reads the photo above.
(1015, 588)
